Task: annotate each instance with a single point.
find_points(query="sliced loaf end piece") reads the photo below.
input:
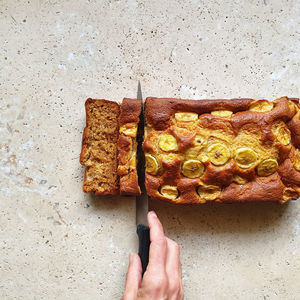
(99, 147)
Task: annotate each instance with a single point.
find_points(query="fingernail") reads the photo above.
(152, 213)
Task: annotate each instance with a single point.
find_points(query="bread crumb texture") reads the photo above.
(99, 147)
(222, 150)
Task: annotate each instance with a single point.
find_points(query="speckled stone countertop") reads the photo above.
(56, 242)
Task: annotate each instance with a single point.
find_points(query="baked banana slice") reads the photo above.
(169, 191)
(122, 170)
(267, 167)
(296, 160)
(289, 193)
(245, 157)
(261, 106)
(218, 154)
(239, 180)
(194, 152)
(282, 134)
(222, 113)
(199, 140)
(168, 142)
(186, 116)
(132, 161)
(192, 168)
(129, 131)
(209, 192)
(151, 164)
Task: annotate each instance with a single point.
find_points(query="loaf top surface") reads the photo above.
(130, 111)
(222, 150)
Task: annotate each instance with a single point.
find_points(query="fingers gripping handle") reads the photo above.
(143, 233)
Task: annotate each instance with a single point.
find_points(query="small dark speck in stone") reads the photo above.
(226, 66)
(86, 205)
(43, 181)
(24, 21)
(5, 58)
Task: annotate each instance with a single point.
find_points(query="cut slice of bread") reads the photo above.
(99, 147)
(127, 146)
(109, 147)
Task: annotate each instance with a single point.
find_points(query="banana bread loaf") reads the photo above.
(234, 150)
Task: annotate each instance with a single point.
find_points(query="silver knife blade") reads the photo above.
(141, 200)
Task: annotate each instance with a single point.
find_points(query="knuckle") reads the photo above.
(158, 283)
(126, 296)
(127, 275)
(181, 293)
(174, 288)
(161, 242)
(174, 245)
(181, 296)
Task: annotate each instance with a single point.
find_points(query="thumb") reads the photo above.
(133, 277)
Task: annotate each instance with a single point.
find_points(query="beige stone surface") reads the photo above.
(56, 242)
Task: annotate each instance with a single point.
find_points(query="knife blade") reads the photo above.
(142, 228)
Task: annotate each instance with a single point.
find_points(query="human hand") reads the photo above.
(162, 279)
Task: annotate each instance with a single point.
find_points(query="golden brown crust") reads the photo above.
(129, 184)
(124, 149)
(130, 111)
(127, 146)
(99, 151)
(260, 189)
(269, 131)
(288, 174)
(160, 110)
(294, 126)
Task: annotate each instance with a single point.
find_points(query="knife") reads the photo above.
(142, 228)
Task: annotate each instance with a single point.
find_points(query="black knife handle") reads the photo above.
(143, 233)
